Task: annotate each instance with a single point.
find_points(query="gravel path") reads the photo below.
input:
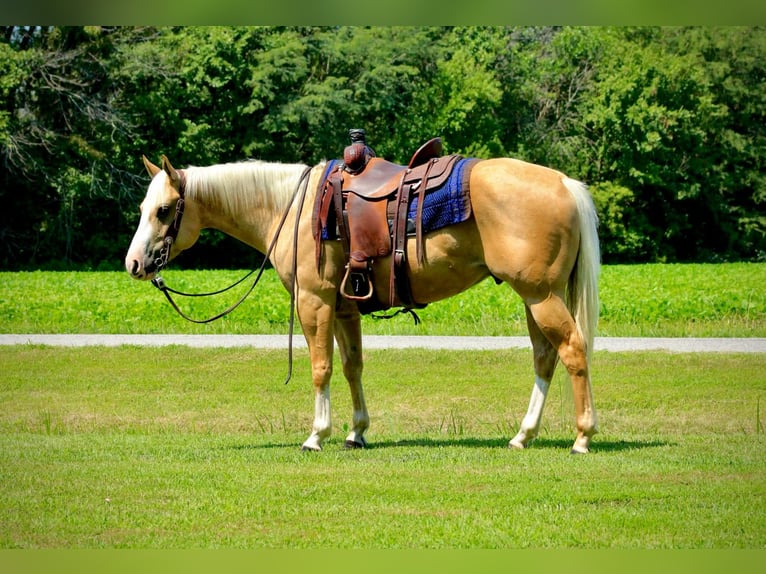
(676, 345)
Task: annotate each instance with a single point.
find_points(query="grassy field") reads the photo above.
(723, 300)
(177, 447)
(188, 448)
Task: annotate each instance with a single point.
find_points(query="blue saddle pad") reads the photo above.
(448, 204)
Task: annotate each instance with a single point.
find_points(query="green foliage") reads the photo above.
(624, 231)
(464, 97)
(658, 299)
(650, 125)
(666, 124)
(710, 300)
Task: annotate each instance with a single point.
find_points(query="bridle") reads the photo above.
(172, 233)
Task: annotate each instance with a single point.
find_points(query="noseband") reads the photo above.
(172, 232)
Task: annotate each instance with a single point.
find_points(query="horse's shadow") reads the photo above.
(537, 444)
(602, 446)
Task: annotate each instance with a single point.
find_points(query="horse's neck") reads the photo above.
(243, 200)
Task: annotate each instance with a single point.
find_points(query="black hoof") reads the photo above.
(355, 445)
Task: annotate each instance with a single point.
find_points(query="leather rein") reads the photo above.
(172, 233)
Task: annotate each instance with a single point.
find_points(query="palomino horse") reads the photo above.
(531, 227)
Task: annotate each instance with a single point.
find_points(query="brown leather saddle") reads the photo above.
(370, 199)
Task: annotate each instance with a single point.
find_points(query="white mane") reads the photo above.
(237, 187)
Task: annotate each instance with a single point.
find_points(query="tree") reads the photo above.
(659, 129)
(665, 124)
(310, 86)
(460, 100)
(57, 129)
(732, 59)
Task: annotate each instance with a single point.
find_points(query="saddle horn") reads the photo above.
(356, 155)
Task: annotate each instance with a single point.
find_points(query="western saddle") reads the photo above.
(369, 199)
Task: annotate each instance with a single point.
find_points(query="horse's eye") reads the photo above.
(163, 212)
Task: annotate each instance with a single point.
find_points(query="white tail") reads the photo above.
(582, 291)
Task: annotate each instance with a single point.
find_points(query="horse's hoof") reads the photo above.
(351, 444)
(516, 446)
(305, 448)
(575, 451)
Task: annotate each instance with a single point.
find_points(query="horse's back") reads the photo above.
(511, 185)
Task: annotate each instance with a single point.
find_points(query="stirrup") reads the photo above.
(355, 285)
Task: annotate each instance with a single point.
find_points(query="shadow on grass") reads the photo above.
(540, 443)
(598, 446)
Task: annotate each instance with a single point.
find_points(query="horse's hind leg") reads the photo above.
(557, 324)
(545, 358)
(348, 333)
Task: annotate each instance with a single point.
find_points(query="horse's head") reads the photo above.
(160, 235)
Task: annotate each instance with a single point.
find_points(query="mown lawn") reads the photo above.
(199, 448)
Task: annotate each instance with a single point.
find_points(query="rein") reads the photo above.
(172, 233)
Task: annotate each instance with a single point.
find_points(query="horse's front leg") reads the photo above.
(317, 319)
(348, 332)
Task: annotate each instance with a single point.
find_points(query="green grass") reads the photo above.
(177, 447)
(721, 300)
(181, 448)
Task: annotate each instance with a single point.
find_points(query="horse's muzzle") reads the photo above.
(137, 269)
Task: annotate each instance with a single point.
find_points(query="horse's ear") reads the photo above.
(150, 167)
(170, 170)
